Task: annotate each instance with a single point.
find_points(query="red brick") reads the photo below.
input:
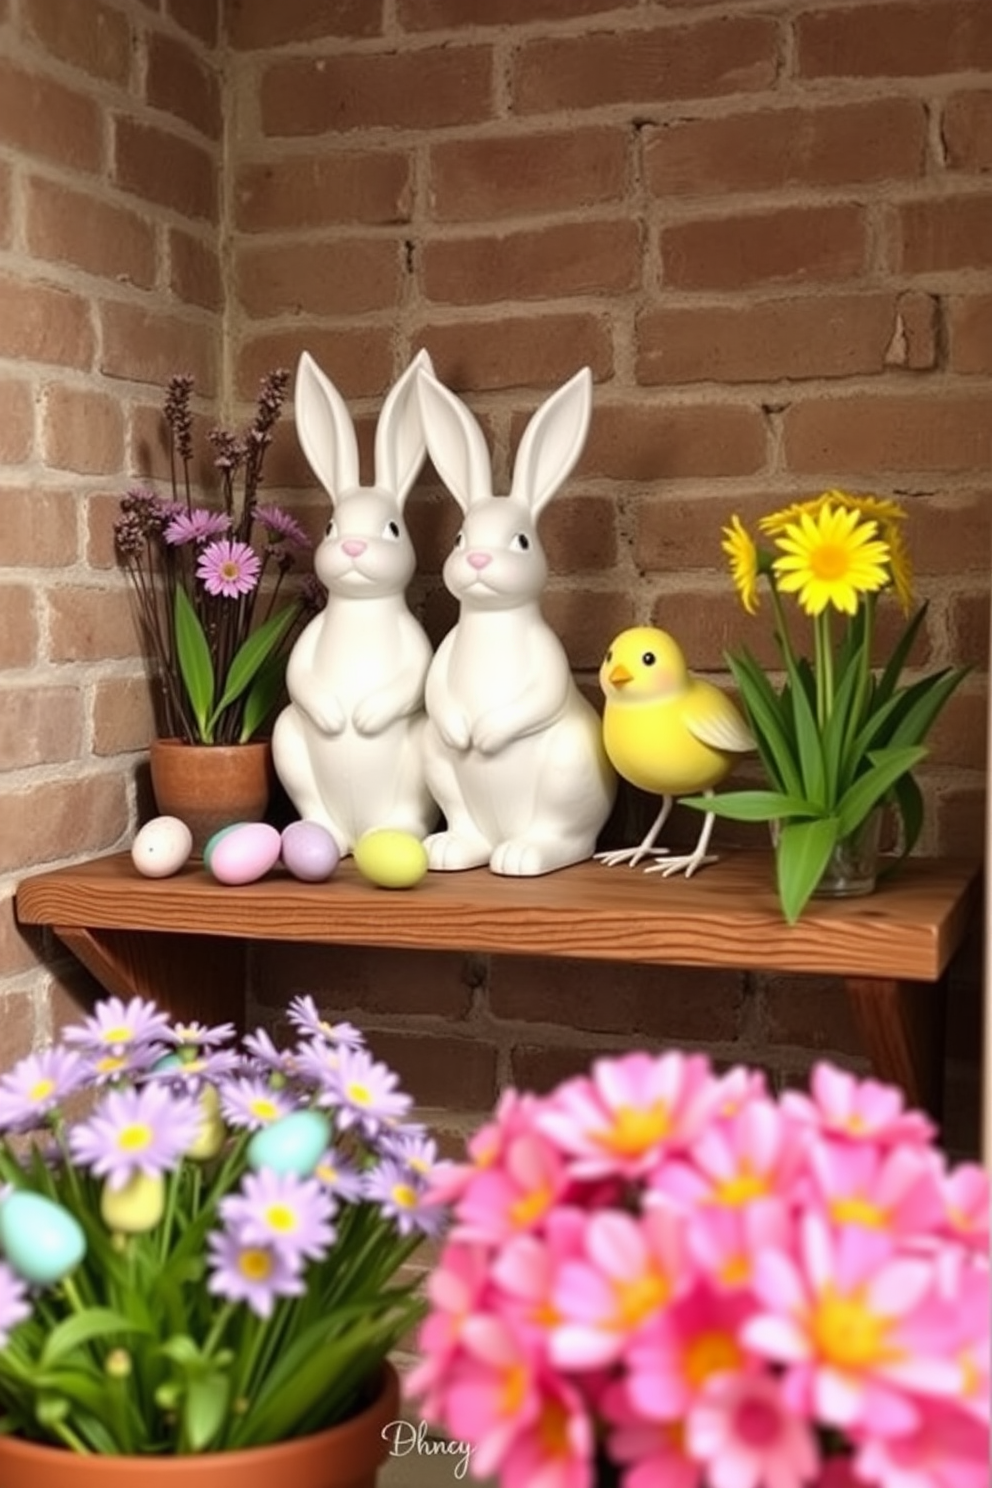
(46, 119)
(123, 716)
(95, 38)
(39, 323)
(762, 340)
(540, 1067)
(148, 346)
(478, 180)
(793, 245)
(951, 534)
(922, 39)
(39, 527)
(432, 15)
(17, 1019)
(809, 1012)
(966, 130)
(787, 148)
(969, 621)
(673, 533)
(194, 270)
(644, 64)
(951, 232)
(544, 264)
(82, 431)
(709, 622)
(970, 333)
(426, 89)
(20, 950)
(101, 238)
(586, 621)
(959, 826)
(654, 442)
(163, 168)
(6, 210)
(183, 84)
(348, 276)
(257, 25)
(61, 819)
(914, 343)
(358, 360)
(579, 534)
(835, 436)
(356, 981)
(88, 624)
(199, 18)
(40, 725)
(673, 1003)
(18, 625)
(961, 734)
(371, 187)
(438, 1071)
(17, 424)
(539, 350)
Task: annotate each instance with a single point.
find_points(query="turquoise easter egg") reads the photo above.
(245, 854)
(42, 1241)
(293, 1144)
(212, 842)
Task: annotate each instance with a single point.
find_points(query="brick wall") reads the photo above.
(766, 229)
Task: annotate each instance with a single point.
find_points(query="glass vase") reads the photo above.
(852, 868)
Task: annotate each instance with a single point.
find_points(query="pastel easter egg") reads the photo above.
(211, 842)
(135, 1208)
(391, 859)
(293, 1144)
(161, 847)
(245, 854)
(42, 1241)
(309, 851)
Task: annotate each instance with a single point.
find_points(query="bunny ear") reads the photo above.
(324, 429)
(552, 442)
(399, 436)
(455, 441)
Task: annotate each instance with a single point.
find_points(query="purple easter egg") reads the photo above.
(309, 851)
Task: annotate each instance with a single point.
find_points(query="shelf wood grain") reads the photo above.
(171, 939)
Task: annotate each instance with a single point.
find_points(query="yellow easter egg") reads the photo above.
(391, 859)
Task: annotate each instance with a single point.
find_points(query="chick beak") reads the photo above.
(619, 676)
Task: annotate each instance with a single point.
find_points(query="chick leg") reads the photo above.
(633, 855)
(689, 862)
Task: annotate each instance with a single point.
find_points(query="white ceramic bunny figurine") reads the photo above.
(514, 752)
(348, 746)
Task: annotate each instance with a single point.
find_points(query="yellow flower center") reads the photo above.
(256, 1265)
(41, 1090)
(735, 1271)
(552, 1428)
(110, 1064)
(858, 1210)
(135, 1137)
(710, 1353)
(119, 1035)
(282, 1217)
(404, 1195)
(848, 1334)
(637, 1299)
(326, 1173)
(742, 1188)
(359, 1094)
(829, 561)
(229, 569)
(529, 1207)
(263, 1108)
(635, 1129)
(513, 1390)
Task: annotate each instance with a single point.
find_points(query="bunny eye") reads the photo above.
(392, 531)
(332, 528)
(519, 542)
(459, 541)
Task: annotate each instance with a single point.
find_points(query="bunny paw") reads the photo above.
(521, 857)
(451, 851)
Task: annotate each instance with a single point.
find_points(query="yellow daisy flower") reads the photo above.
(743, 555)
(831, 559)
(777, 522)
(876, 508)
(900, 565)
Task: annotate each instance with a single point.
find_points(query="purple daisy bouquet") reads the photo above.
(208, 1255)
(217, 629)
(658, 1276)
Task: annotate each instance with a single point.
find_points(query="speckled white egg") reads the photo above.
(309, 851)
(161, 847)
(245, 854)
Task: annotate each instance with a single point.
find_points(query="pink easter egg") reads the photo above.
(245, 853)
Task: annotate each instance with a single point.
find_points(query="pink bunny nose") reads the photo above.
(354, 547)
(479, 560)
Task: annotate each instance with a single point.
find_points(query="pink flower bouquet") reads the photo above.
(659, 1277)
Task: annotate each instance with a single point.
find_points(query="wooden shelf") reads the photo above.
(172, 938)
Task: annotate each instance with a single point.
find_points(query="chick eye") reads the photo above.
(609, 655)
(332, 528)
(519, 542)
(649, 658)
(392, 531)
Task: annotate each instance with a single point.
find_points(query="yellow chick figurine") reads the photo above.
(668, 732)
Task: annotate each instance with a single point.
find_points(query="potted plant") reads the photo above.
(839, 736)
(217, 630)
(201, 1268)
(658, 1276)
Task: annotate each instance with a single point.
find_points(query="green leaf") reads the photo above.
(801, 855)
(921, 704)
(837, 762)
(205, 1410)
(770, 720)
(887, 766)
(259, 645)
(889, 679)
(262, 696)
(751, 805)
(195, 665)
(83, 1327)
(909, 804)
(809, 743)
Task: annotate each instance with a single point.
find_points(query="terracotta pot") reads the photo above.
(345, 1456)
(209, 786)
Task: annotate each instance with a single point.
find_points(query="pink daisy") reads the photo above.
(892, 1189)
(195, 526)
(280, 525)
(860, 1110)
(229, 568)
(946, 1450)
(751, 1157)
(515, 1196)
(555, 1449)
(746, 1435)
(494, 1396)
(692, 1342)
